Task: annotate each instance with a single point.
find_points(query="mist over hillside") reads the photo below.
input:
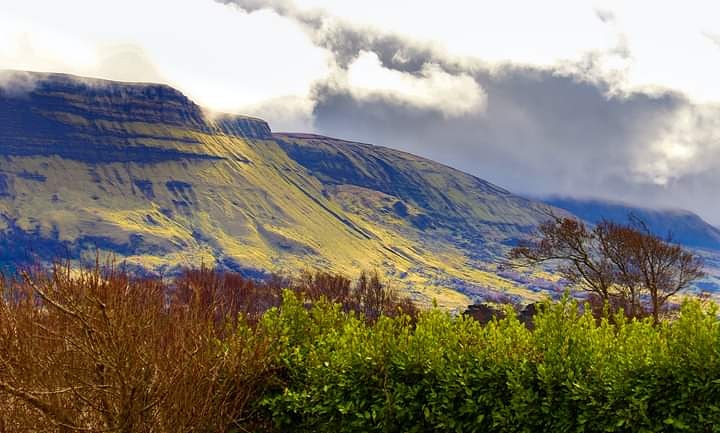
(682, 226)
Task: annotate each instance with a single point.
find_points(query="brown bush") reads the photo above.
(368, 296)
(99, 351)
(220, 295)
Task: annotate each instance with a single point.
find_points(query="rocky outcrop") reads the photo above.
(98, 121)
(104, 121)
(242, 126)
(94, 99)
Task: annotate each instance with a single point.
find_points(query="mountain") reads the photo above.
(684, 227)
(141, 172)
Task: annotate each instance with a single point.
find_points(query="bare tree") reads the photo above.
(665, 268)
(614, 261)
(570, 243)
(373, 298)
(617, 244)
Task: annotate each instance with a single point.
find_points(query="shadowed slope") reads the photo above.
(683, 226)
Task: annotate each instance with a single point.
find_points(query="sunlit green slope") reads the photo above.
(140, 171)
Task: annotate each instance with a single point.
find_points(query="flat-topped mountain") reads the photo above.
(102, 121)
(140, 171)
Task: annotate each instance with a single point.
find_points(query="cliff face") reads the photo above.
(241, 126)
(140, 171)
(99, 121)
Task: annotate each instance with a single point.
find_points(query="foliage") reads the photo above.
(104, 352)
(450, 374)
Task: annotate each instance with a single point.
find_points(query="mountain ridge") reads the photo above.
(141, 172)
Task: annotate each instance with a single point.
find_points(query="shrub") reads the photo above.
(99, 351)
(212, 352)
(450, 374)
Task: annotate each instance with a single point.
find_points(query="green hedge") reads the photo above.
(337, 373)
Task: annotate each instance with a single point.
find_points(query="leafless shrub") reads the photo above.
(100, 351)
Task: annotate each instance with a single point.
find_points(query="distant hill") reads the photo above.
(141, 172)
(685, 227)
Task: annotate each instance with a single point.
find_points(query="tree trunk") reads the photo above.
(656, 307)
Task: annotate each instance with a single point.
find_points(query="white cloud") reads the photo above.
(687, 144)
(229, 59)
(16, 82)
(220, 56)
(518, 31)
(433, 88)
(287, 113)
(669, 45)
(640, 45)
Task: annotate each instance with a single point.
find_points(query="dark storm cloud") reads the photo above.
(346, 42)
(540, 132)
(543, 132)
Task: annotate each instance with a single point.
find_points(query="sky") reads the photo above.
(612, 99)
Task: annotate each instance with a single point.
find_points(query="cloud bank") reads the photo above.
(224, 59)
(431, 89)
(569, 99)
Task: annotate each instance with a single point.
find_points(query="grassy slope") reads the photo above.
(250, 202)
